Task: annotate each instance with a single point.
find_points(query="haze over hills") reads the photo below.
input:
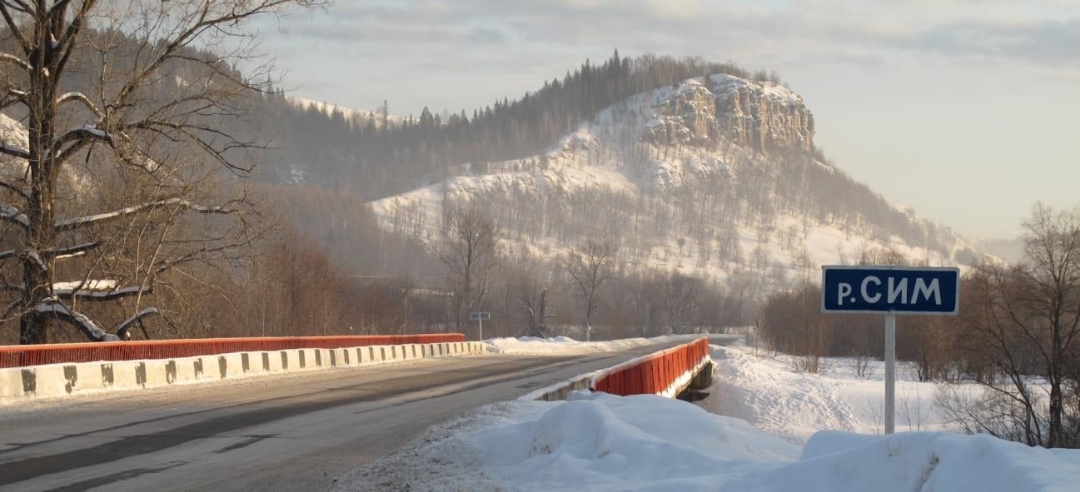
(704, 175)
(714, 177)
(1010, 250)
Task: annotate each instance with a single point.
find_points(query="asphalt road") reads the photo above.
(290, 432)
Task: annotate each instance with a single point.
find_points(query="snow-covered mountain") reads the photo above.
(713, 177)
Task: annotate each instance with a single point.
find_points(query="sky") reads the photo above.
(964, 110)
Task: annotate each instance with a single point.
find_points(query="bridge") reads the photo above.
(272, 414)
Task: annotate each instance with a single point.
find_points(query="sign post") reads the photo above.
(890, 373)
(479, 317)
(890, 290)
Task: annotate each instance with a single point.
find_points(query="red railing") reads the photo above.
(655, 373)
(32, 355)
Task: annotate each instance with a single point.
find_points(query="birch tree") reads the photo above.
(114, 96)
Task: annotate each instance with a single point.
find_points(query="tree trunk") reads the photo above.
(40, 235)
(1054, 434)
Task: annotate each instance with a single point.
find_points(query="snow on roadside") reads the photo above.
(569, 346)
(647, 443)
(598, 442)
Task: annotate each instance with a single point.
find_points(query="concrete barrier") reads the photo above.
(562, 390)
(123, 375)
(61, 380)
(11, 384)
(72, 353)
(89, 376)
(278, 360)
(48, 379)
(188, 369)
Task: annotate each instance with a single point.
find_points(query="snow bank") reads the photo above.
(645, 442)
(597, 442)
(930, 461)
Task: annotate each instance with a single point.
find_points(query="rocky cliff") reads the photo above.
(763, 117)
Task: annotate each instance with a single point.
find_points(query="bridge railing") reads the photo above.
(662, 373)
(655, 374)
(33, 355)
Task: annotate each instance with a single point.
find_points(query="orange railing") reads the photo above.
(32, 355)
(654, 374)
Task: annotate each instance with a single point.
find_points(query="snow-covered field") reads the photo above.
(765, 391)
(789, 438)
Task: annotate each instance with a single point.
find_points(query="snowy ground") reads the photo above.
(599, 442)
(765, 391)
(569, 346)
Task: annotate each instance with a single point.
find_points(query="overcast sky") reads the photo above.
(967, 111)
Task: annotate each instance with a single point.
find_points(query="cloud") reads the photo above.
(511, 44)
(1052, 43)
(1035, 32)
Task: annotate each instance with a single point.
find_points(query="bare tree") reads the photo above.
(536, 307)
(469, 252)
(680, 297)
(1028, 324)
(151, 132)
(590, 266)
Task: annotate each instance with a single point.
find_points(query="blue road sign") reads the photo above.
(479, 316)
(899, 290)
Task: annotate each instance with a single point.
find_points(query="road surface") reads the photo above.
(288, 432)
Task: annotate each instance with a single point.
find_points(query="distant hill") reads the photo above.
(714, 177)
(320, 146)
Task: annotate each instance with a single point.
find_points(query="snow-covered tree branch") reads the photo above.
(123, 330)
(80, 98)
(91, 294)
(74, 251)
(12, 215)
(14, 60)
(55, 309)
(13, 151)
(175, 203)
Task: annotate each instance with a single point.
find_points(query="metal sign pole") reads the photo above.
(890, 373)
(480, 319)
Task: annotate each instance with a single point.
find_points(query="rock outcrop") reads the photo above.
(761, 116)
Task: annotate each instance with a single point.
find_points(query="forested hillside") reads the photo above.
(325, 146)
